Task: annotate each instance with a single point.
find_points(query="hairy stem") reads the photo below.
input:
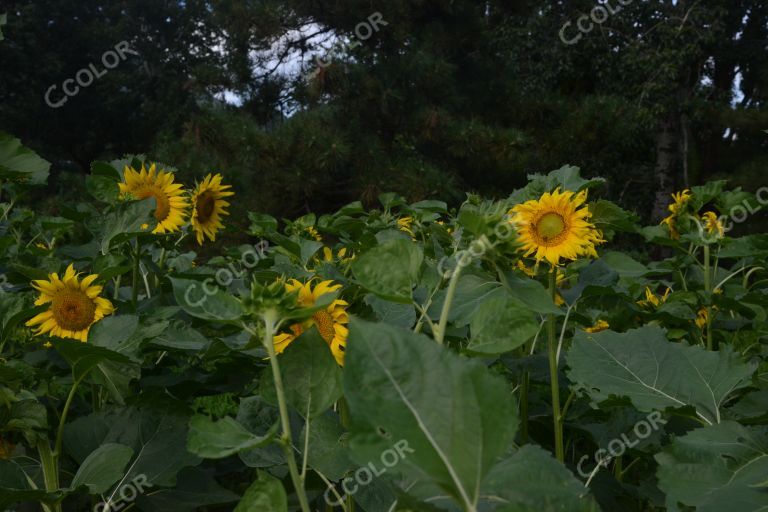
(270, 321)
(450, 293)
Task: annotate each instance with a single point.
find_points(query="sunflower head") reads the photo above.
(209, 207)
(556, 226)
(652, 300)
(600, 326)
(314, 233)
(680, 201)
(713, 225)
(170, 203)
(405, 224)
(342, 255)
(74, 305)
(701, 318)
(330, 321)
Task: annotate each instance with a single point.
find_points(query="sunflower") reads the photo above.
(679, 202)
(712, 224)
(208, 207)
(701, 318)
(312, 231)
(75, 305)
(330, 322)
(556, 226)
(171, 205)
(600, 325)
(340, 256)
(652, 300)
(405, 224)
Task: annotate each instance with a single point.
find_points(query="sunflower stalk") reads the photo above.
(450, 294)
(136, 272)
(50, 472)
(271, 320)
(708, 289)
(553, 371)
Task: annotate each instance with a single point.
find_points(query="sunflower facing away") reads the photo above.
(653, 301)
(209, 207)
(713, 225)
(556, 226)
(75, 305)
(679, 202)
(330, 322)
(171, 204)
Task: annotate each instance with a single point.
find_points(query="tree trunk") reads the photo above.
(667, 162)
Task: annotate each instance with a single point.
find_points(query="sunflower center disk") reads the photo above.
(73, 310)
(324, 322)
(206, 204)
(550, 226)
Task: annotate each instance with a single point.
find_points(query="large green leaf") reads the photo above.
(655, 373)
(721, 467)
(218, 439)
(102, 468)
(205, 300)
(532, 480)
(126, 222)
(449, 417)
(195, 489)
(311, 376)
(390, 270)
(328, 446)
(15, 487)
(266, 494)
(500, 325)
(83, 357)
(20, 163)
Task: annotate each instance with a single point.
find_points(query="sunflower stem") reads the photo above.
(449, 295)
(524, 384)
(136, 271)
(708, 289)
(63, 419)
(270, 318)
(50, 471)
(553, 371)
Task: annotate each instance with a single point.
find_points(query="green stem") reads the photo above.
(708, 289)
(50, 471)
(63, 420)
(553, 373)
(270, 321)
(449, 295)
(136, 270)
(524, 387)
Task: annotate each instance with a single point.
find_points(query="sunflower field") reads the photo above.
(544, 352)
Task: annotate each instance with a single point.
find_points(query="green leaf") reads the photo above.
(266, 494)
(721, 467)
(102, 188)
(18, 163)
(218, 439)
(624, 265)
(328, 446)
(102, 468)
(531, 480)
(195, 489)
(83, 357)
(205, 300)
(311, 376)
(3, 21)
(450, 419)
(500, 325)
(744, 247)
(127, 222)
(390, 270)
(15, 488)
(393, 313)
(655, 373)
